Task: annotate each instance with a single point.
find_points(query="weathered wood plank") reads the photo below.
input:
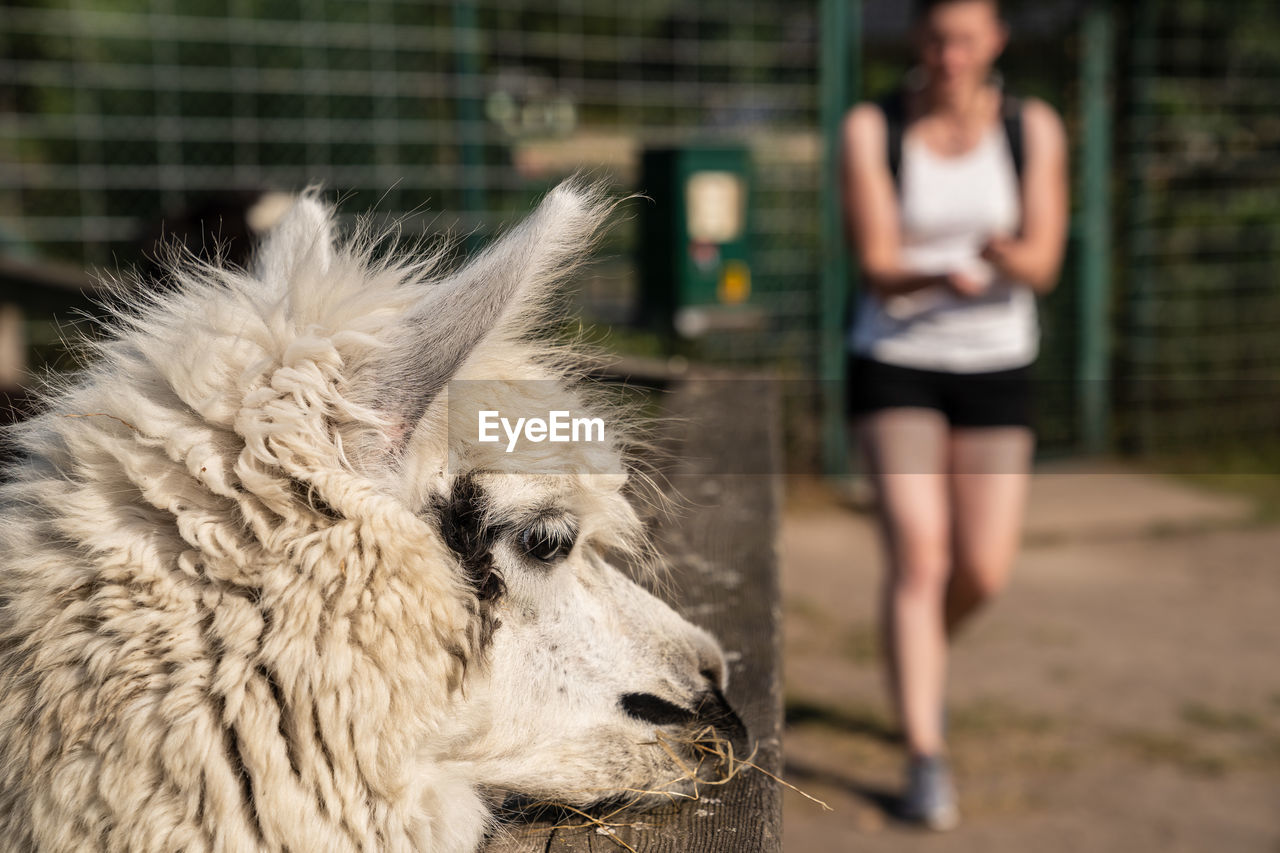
(724, 436)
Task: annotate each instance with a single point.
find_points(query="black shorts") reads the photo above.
(997, 398)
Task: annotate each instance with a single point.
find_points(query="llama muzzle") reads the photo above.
(715, 711)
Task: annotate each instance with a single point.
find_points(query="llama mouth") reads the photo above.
(709, 743)
(715, 744)
(712, 711)
(715, 722)
(655, 710)
(709, 733)
(715, 711)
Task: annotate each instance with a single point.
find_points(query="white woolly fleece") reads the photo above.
(237, 606)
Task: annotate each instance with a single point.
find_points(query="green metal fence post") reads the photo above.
(841, 53)
(1093, 369)
(1140, 325)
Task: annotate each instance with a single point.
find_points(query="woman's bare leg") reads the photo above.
(990, 475)
(907, 450)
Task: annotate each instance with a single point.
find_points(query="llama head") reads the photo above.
(278, 595)
(573, 683)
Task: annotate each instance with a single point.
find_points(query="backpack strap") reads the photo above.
(1011, 116)
(894, 107)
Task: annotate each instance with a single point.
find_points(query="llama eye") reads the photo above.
(549, 541)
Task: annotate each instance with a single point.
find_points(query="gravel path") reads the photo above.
(1124, 693)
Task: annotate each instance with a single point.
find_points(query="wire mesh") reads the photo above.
(116, 116)
(1200, 355)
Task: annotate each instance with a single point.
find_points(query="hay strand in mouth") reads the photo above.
(708, 742)
(707, 745)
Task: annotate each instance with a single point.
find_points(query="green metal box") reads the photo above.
(695, 267)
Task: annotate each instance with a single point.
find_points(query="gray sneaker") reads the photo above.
(930, 798)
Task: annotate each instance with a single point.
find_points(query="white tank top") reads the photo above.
(950, 207)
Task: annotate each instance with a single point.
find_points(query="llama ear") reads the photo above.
(303, 235)
(495, 293)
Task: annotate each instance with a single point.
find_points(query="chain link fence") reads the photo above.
(1199, 354)
(453, 117)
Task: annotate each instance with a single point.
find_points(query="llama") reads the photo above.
(256, 594)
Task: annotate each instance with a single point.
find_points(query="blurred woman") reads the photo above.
(956, 200)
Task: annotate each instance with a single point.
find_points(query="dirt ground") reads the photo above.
(1123, 694)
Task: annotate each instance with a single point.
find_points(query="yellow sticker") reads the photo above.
(735, 283)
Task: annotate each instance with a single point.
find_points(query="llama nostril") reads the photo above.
(651, 709)
(714, 677)
(712, 665)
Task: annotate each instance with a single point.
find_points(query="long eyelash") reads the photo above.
(562, 526)
(555, 530)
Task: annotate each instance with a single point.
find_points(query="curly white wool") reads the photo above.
(229, 619)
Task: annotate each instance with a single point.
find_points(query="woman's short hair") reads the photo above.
(924, 7)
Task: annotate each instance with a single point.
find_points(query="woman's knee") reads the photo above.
(922, 574)
(983, 580)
